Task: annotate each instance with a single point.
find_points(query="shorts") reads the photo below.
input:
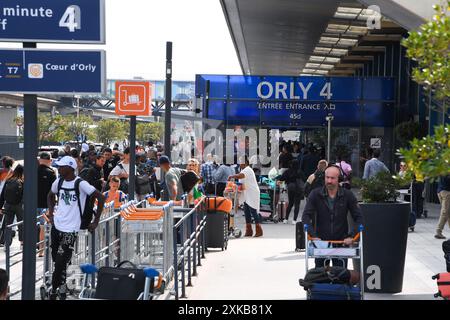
(41, 220)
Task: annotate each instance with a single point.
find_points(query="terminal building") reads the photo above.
(301, 61)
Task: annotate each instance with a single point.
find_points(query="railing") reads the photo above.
(188, 239)
(99, 247)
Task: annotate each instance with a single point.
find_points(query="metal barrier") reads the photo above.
(100, 248)
(188, 238)
(9, 263)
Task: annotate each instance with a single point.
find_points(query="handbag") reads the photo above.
(119, 283)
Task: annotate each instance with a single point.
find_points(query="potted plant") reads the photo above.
(386, 221)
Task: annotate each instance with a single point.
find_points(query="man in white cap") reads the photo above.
(75, 198)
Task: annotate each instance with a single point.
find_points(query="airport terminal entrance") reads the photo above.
(300, 108)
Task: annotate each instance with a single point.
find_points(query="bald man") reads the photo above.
(329, 207)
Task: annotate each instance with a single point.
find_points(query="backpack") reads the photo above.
(123, 182)
(331, 275)
(13, 191)
(142, 183)
(86, 216)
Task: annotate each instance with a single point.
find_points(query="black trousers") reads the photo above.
(417, 200)
(10, 211)
(294, 200)
(62, 245)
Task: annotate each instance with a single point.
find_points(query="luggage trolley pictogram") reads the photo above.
(131, 99)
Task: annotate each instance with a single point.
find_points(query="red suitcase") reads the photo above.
(443, 282)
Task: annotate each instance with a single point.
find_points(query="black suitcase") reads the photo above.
(118, 283)
(299, 236)
(446, 249)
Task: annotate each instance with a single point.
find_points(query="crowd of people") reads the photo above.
(66, 199)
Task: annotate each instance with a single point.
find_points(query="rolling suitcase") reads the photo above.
(443, 282)
(330, 291)
(446, 249)
(299, 236)
(282, 210)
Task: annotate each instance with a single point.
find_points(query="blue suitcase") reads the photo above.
(326, 291)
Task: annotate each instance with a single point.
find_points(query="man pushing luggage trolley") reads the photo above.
(325, 219)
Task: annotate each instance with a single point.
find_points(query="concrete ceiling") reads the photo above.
(277, 37)
(296, 37)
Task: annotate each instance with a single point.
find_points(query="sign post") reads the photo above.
(133, 98)
(30, 194)
(168, 114)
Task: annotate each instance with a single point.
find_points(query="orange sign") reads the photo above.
(133, 98)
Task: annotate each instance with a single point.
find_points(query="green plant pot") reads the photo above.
(385, 239)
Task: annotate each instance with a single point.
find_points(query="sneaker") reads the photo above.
(294, 222)
(63, 292)
(439, 236)
(285, 221)
(53, 295)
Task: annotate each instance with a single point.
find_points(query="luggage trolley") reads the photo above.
(232, 192)
(269, 198)
(145, 243)
(319, 249)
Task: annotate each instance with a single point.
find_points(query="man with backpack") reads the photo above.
(94, 175)
(74, 212)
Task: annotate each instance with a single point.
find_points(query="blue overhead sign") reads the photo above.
(298, 101)
(52, 71)
(79, 21)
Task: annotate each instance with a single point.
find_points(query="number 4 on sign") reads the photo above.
(71, 18)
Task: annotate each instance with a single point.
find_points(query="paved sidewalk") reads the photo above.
(269, 268)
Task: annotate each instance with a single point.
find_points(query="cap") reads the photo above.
(67, 162)
(164, 159)
(44, 156)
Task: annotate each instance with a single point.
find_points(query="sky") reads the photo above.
(137, 32)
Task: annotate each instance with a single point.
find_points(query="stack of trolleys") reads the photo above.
(319, 249)
(146, 237)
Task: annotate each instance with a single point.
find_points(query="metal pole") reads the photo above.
(132, 173)
(167, 126)
(329, 118)
(30, 193)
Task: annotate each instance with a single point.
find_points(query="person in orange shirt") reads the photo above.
(114, 194)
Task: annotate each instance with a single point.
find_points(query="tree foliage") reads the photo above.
(429, 157)
(430, 48)
(146, 131)
(109, 130)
